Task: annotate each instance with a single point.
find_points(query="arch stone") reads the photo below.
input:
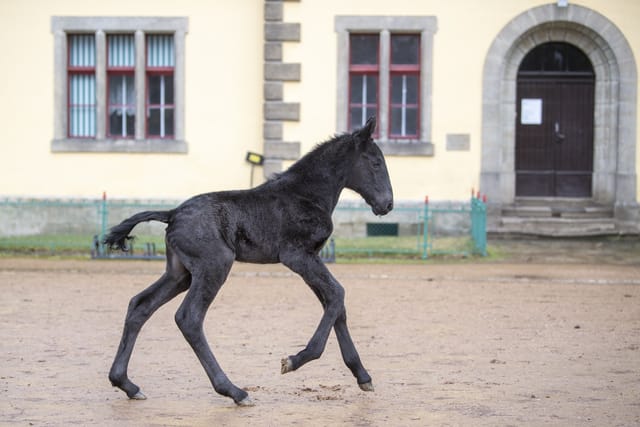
(614, 171)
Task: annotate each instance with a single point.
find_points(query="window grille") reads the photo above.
(82, 86)
(160, 86)
(121, 85)
(364, 72)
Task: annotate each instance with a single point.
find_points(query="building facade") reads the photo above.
(532, 103)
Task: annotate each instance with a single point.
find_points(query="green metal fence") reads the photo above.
(412, 230)
(57, 227)
(39, 226)
(416, 230)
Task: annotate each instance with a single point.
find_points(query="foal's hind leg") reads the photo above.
(174, 281)
(206, 282)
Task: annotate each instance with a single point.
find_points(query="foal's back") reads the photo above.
(256, 224)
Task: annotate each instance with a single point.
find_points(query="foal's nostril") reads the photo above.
(390, 207)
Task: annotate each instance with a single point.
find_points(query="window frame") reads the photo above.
(163, 71)
(426, 27)
(398, 69)
(162, 106)
(79, 70)
(364, 70)
(61, 27)
(118, 71)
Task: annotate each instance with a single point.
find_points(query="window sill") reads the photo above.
(118, 146)
(406, 148)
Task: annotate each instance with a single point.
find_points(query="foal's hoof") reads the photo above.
(366, 386)
(247, 401)
(286, 365)
(138, 396)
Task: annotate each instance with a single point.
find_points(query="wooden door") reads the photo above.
(554, 133)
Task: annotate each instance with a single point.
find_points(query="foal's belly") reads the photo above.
(257, 255)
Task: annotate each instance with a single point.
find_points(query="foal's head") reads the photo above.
(369, 176)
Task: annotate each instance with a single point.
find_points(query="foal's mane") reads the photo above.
(324, 156)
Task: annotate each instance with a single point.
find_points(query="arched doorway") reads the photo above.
(554, 122)
(614, 178)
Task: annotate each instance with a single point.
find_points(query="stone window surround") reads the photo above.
(385, 25)
(100, 26)
(614, 174)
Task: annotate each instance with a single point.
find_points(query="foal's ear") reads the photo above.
(365, 132)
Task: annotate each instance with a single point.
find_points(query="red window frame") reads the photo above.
(362, 70)
(152, 71)
(408, 70)
(71, 71)
(111, 72)
(167, 72)
(118, 71)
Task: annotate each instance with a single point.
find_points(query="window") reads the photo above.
(556, 57)
(82, 86)
(121, 107)
(386, 63)
(405, 75)
(364, 70)
(364, 76)
(160, 103)
(119, 85)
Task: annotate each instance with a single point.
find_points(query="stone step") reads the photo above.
(553, 201)
(591, 211)
(556, 226)
(534, 207)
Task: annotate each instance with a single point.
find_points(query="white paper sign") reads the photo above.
(531, 111)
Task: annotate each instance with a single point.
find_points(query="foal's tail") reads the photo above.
(118, 235)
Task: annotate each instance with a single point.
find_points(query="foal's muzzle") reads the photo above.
(383, 208)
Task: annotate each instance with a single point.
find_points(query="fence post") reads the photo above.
(483, 225)
(474, 222)
(103, 222)
(479, 225)
(425, 228)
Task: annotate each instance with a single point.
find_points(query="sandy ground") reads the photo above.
(496, 344)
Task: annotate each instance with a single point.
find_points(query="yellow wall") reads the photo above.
(465, 32)
(223, 103)
(224, 72)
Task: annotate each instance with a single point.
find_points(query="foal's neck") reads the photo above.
(322, 174)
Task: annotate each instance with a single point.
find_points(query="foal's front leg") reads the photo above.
(350, 354)
(331, 295)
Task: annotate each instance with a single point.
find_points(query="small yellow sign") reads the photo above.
(255, 158)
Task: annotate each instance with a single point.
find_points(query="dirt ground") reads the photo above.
(499, 344)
